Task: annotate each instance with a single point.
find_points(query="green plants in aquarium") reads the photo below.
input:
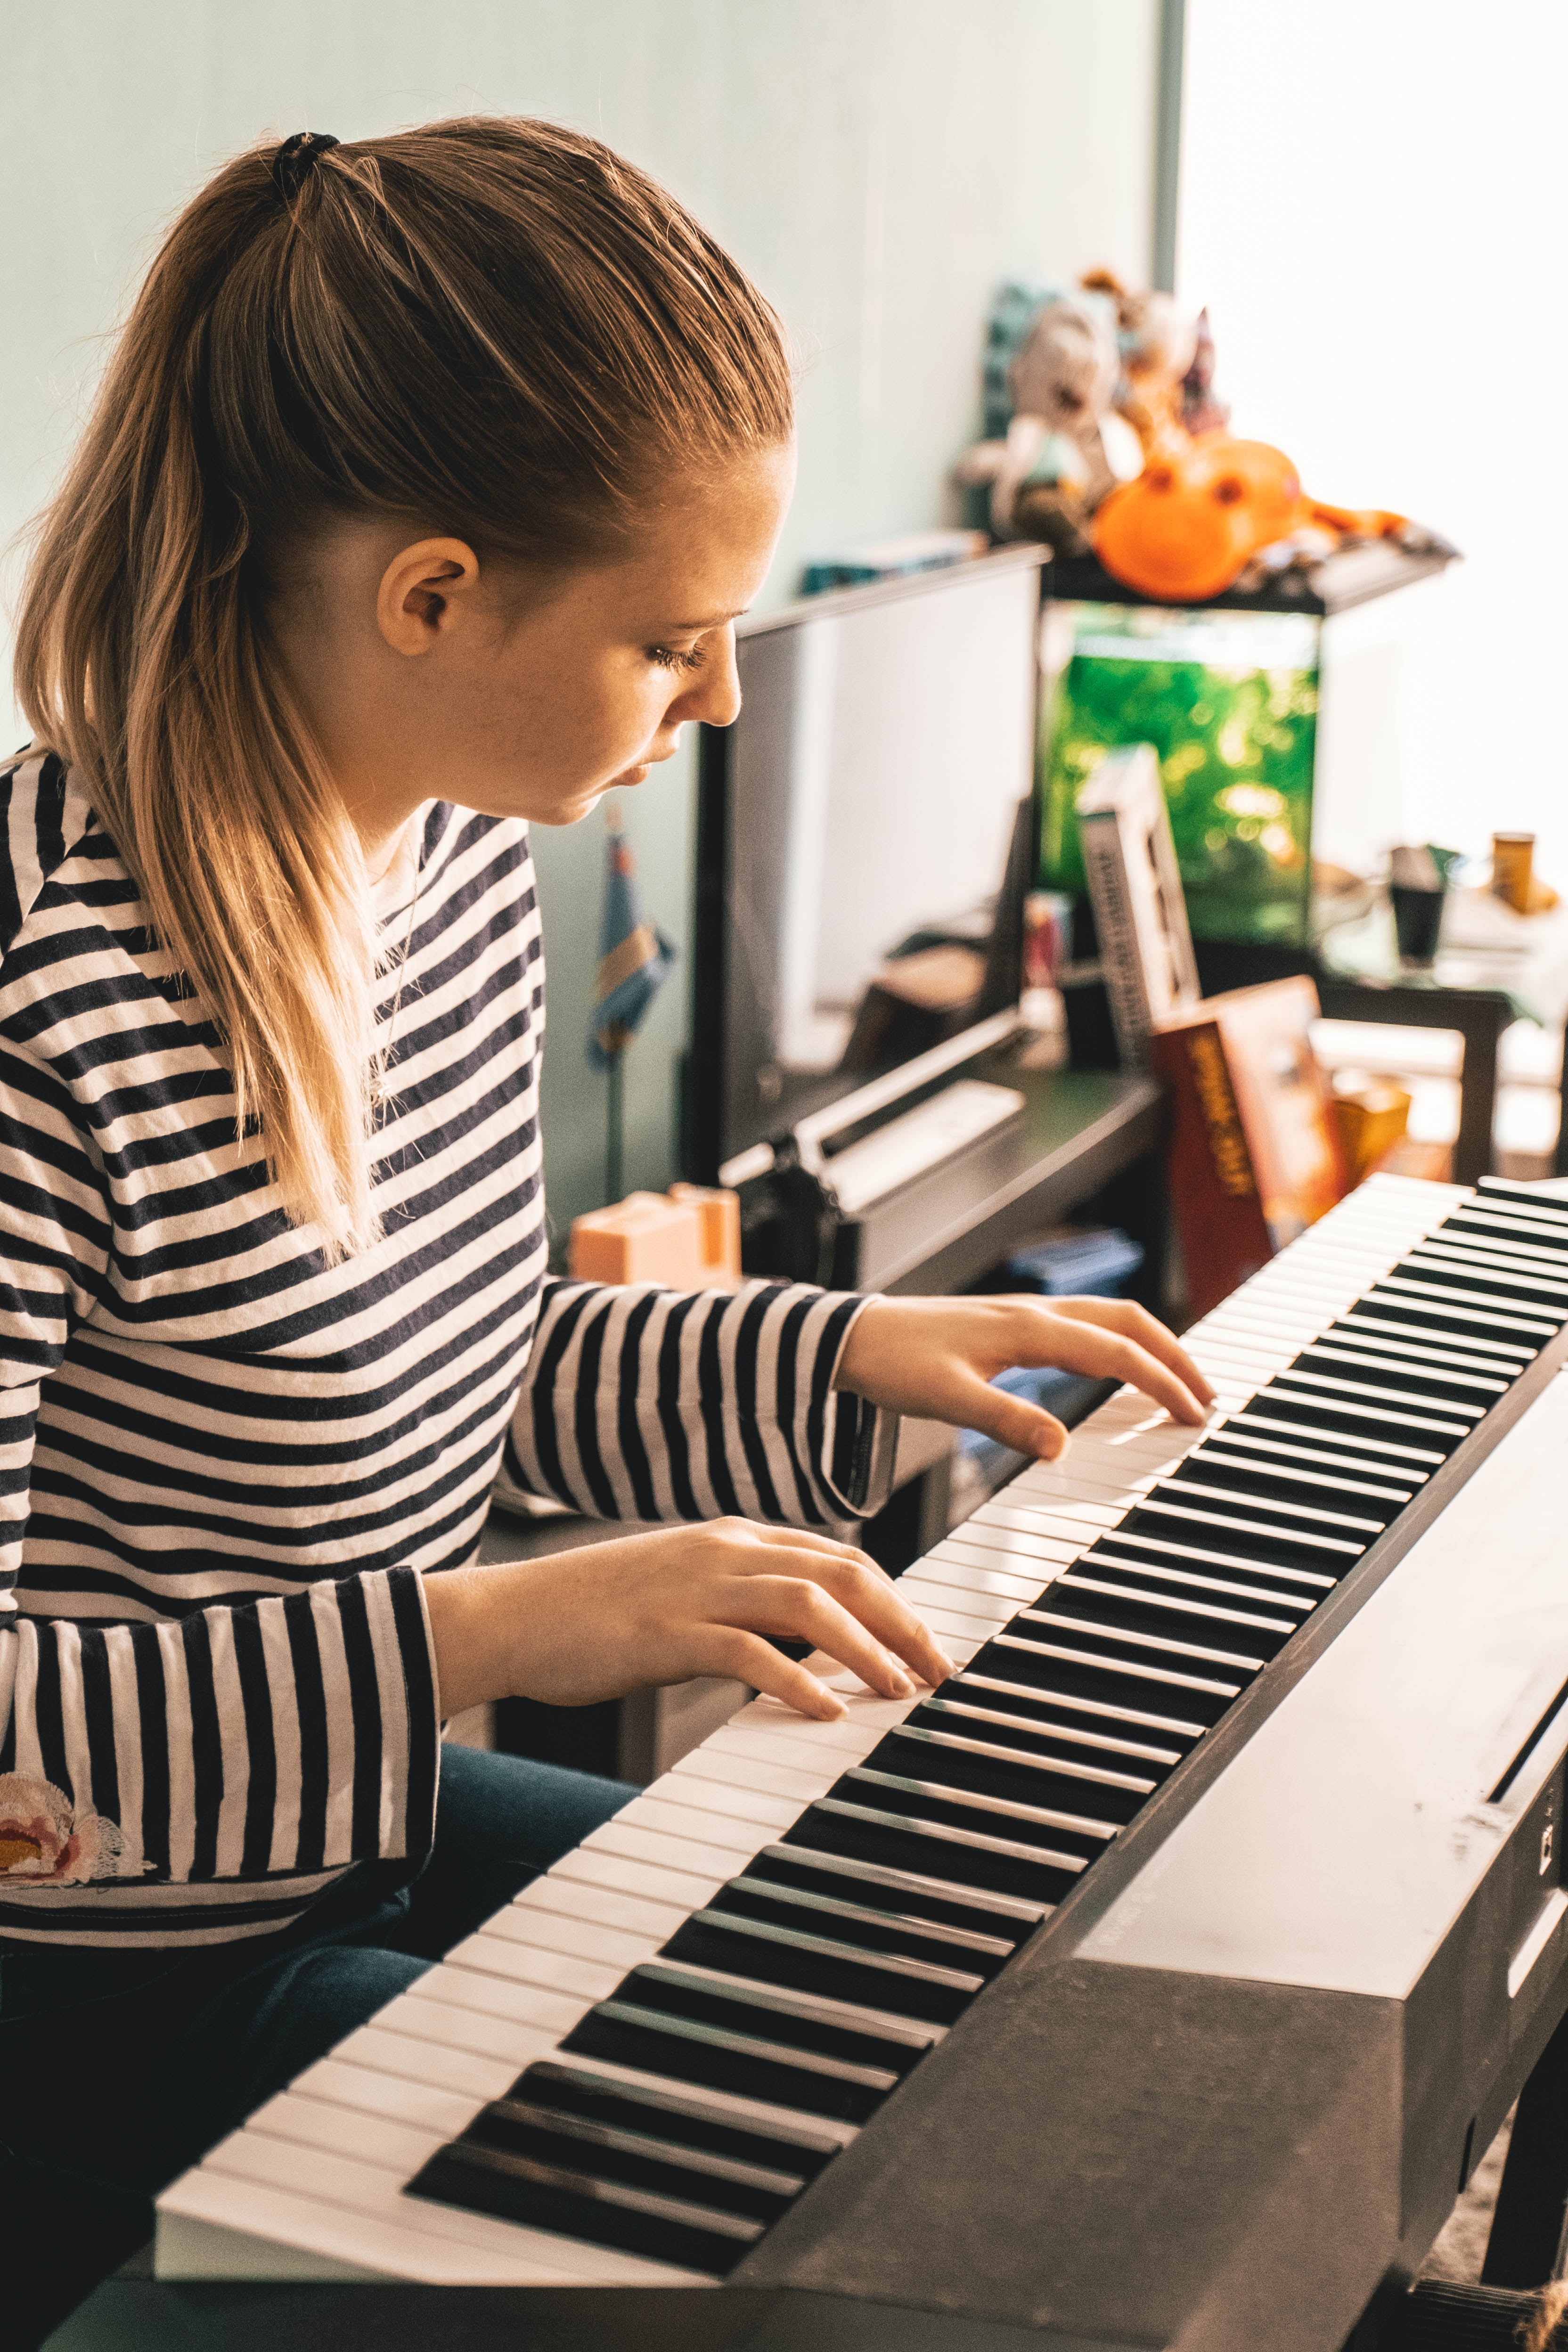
(1229, 700)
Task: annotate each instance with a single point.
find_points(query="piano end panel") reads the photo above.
(1124, 2155)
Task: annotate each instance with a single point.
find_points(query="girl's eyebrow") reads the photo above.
(693, 628)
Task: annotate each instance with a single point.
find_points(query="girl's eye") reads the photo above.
(667, 658)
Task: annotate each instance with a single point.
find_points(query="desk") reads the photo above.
(1493, 967)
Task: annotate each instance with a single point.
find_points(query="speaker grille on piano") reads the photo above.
(725, 1984)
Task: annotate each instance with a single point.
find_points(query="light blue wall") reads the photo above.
(877, 164)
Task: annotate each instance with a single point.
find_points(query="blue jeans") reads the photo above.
(117, 2069)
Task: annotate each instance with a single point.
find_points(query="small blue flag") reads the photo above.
(635, 958)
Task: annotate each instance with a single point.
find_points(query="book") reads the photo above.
(1135, 885)
(1254, 1153)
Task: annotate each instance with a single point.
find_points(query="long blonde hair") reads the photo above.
(492, 327)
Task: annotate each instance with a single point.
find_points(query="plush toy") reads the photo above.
(1158, 343)
(1203, 510)
(1063, 447)
(1201, 412)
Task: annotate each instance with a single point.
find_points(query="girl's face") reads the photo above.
(423, 678)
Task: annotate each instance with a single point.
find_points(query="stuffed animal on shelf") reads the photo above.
(1201, 412)
(1063, 446)
(1157, 344)
(1205, 509)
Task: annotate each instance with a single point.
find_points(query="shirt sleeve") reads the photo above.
(645, 1403)
(263, 1740)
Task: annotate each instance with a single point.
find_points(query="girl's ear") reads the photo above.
(419, 590)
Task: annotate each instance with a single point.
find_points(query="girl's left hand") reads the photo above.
(936, 1357)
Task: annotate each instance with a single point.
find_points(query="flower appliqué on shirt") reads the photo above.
(46, 1841)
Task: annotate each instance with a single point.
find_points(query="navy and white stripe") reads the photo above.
(225, 1466)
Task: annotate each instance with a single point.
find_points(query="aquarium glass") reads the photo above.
(1229, 700)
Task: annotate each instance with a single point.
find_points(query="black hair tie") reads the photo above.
(291, 164)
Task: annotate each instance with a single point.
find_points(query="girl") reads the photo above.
(422, 494)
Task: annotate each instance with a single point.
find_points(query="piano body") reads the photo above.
(1156, 1982)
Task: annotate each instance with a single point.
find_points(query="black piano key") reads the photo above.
(1551, 1240)
(1078, 1754)
(752, 2065)
(1075, 1711)
(1502, 1193)
(1118, 1564)
(1116, 1597)
(1271, 1479)
(903, 1840)
(1336, 1392)
(1317, 1509)
(1481, 1355)
(1310, 1408)
(1083, 1801)
(1515, 1250)
(1447, 1302)
(1236, 1559)
(803, 2020)
(1440, 1385)
(902, 1894)
(1483, 1269)
(681, 2114)
(867, 1926)
(577, 2204)
(1260, 1536)
(808, 1957)
(1063, 1840)
(1064, 1671)
(1252, 1425)
(1011, 1710)
(616, 2143)
(1089, 1621)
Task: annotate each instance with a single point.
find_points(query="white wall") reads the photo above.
(878, 164)
(1374, 205)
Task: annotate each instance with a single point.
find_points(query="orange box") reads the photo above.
(689, 1238)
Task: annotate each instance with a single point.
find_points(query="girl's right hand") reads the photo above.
(663, 1608)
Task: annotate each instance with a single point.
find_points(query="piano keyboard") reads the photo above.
(630, 2073)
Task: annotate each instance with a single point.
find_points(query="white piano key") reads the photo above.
(1004, 1544)
(463, 2028)
(981, 1609)
(359, 2187)
(373, 2050)
(707, 1829)
(400, 2148)
(534, 1965)
(541, 1931)
(557, 1904)
(952, 1630)
(712, 1800)
(734, 1769)
(769, 1747)
(981, 1576)
(525, 2005)
(638, 1873)
(379, 2244)
(423, 2106)
(646, 1841)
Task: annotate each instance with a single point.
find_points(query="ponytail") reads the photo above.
(492, 328)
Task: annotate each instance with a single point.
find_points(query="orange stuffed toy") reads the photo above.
(1201, 510)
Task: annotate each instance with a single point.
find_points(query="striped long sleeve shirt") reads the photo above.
(226, 1465)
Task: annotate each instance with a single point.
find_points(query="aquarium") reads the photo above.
(1229, 700)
